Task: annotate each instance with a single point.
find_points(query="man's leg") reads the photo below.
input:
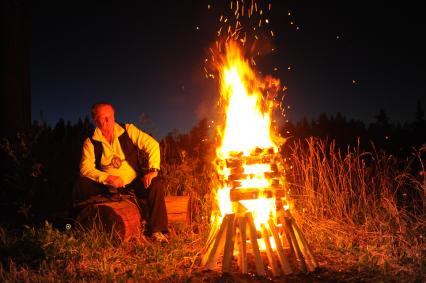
(157, 214)
(85, 188)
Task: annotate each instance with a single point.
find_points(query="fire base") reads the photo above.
(237, 233)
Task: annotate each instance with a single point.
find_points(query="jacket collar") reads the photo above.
(97, 135)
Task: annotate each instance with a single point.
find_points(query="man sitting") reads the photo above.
(109, 162)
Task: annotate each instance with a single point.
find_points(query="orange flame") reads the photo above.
(247, 126)
(248, 107)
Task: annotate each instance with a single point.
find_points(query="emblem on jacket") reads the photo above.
(116, 162)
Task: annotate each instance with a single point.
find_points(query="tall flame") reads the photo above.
(247, 127)
(248, 121)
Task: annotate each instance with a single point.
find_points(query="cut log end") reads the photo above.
(121, 217)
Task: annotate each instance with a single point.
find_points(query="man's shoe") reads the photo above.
(160, 238)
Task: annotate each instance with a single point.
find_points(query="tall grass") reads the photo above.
(365, 208)
(369, 203)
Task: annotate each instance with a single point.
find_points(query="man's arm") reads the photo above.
(88, 167)
(148, 144)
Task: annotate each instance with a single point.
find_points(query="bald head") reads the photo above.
(96, 106)
(103, 116)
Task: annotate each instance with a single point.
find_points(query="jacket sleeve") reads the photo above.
(87, 164)
(146, 143)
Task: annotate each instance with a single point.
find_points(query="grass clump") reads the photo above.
(93, 255)
(371, 205)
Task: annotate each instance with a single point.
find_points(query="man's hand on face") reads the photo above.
(115, 181)
(146, 179)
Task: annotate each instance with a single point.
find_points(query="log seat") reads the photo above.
(123, 216)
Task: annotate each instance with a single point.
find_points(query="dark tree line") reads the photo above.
(41, 164)
(394, 138)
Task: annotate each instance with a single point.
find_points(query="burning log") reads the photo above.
(269, 251)
(211, 256)
(280, 251)
(260, 269)
(229, 244)
(234, 229)
(239, 227)
(310, 260)
(242, 245)
(294, 244)
(249, 193)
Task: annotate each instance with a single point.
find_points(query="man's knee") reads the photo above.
(157, 185)
(84, 188)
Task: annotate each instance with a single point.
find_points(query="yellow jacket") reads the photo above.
(144, 142)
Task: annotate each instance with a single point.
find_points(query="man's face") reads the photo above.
(105, 119)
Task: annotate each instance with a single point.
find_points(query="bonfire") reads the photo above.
(253, 215)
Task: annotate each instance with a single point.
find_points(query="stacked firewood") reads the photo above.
(236, 235)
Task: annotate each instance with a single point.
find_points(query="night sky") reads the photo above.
(147, 59)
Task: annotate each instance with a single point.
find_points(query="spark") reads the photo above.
(219, 31)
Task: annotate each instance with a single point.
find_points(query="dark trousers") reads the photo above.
(153, 196)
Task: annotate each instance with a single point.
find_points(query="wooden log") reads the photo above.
(269, 251)
(307, 253)
(285, 265)
(242, 224)
(235, 177)
(265, 159)
(289, 229)
(271, 175)
(236, 154)
(210, 258)
(212, 234)
(249, 193)
(260, 269)
(234, 184)
(178, 209)
(228, 251)
(234, 162)
(122, 217)
(237, 170)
